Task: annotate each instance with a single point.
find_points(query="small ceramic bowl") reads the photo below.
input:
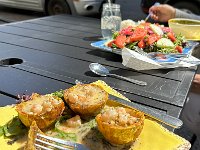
(187, 27)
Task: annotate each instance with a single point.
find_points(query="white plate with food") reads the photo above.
(149, 38)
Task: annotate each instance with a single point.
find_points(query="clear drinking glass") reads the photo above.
(110, 20)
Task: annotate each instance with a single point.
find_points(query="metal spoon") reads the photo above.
(102, 71)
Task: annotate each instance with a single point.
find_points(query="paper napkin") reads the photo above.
(137, 61)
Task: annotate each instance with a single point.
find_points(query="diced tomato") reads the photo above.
(153, 38)
(120, 41)
(128, 39)
(110, 43)
(166, 29)
(127, 31)
(171, 36)
(138, 35)
(150, 31)
(179, 49)
(141, 44)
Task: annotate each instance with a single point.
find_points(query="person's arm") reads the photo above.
(163, 13)
(182, 14)
(196, 84)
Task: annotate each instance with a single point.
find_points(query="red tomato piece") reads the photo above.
(171, 36)
(127, 31)
(152, 38)
(110, 43)
(141, 44)
(138, 34)
(150, 31)
(120, 41)
(128, 39)
(179, 49)
(166, 29)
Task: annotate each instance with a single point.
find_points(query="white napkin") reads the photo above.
(134, 60)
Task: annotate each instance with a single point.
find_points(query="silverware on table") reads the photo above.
(103, 71)
(161, 117)
(50, 143)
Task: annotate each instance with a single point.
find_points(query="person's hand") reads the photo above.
(197, 79)
(162, 13)
(196, 84)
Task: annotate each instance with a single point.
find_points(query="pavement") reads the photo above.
(11, 15)
(130, 10)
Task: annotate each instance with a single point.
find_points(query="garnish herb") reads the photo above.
(62, 134)
(59, 94)
(132, 45)
(115, 34)
(1, 131)
(14, 127)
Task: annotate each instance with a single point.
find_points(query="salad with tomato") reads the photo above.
(149, 37)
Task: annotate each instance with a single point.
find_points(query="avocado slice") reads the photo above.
(156, 29)
(165, 43)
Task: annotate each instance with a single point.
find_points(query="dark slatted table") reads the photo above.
(56, 51)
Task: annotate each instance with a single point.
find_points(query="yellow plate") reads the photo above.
(153, 135)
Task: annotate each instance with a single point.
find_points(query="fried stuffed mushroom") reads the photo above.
(120, 125)
(86, 99)
(43, 109)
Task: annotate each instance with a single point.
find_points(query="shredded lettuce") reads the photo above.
(115, 34)
(167, 50)
(62, 134)
(13, 128)
(179, 40)
(67, 136)
(114, 45)
(132, 45)
(1, 131)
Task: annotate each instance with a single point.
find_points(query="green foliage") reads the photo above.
(115, 34)
(58, 94)
(63, 134)
(132, 45)
(13, 128)
(1, 131)
(179, 40)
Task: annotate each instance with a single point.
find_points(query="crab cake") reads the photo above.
(43, 109)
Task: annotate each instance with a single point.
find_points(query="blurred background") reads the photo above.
(130, 10)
